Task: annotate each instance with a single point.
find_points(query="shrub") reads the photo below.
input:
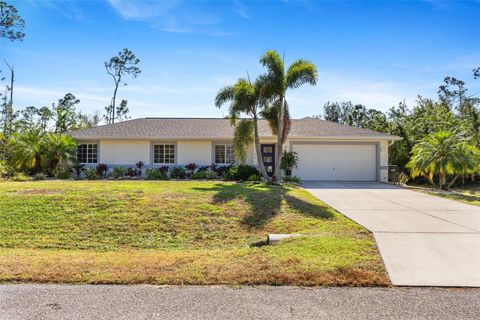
(240, 172)
(178, 173)
(289, 161)
(155, 174)
(118, 172)
(254, 177)
(190, 169)
(102, 169)
(6, 171)
(221, 170)
(210, 174)
(139, 166)
(164, 170)
(131, 172)
(39, 176)
(199, 175)
(20, 177)
(78, 168)
(294, 179)
(63, 173)
(402, 178)
(91, 174)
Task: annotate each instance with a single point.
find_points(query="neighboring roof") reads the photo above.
(218, 128)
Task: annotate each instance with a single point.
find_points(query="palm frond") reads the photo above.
(301, 72)
(242, 137)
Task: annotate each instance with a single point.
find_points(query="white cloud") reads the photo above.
(142, 10)
(171, 16)
(241, 9)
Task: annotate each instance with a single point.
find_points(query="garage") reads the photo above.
(336, 162)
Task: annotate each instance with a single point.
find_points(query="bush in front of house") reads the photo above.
(62, 173)
(294, 179)
(118, 173)
(91, 174)
(178, 173)
(254, 177)
(240, 172)
(19, 177)
(220, 171)
(155, 174)
(199, 175)
(190, 169)
(39, 176)
(139, 165)
(78, 168)
(102, 169)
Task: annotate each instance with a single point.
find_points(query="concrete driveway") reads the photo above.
(424, 240)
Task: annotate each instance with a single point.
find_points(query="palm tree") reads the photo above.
(278, 81)
(35, 152)
(245, 99)
(58, 148)
(442, 154)
(28, 150)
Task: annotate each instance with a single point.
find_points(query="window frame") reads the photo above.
(225, 145)
(87, 143)
(163, 143)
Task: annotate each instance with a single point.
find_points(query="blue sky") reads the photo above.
(375, 53)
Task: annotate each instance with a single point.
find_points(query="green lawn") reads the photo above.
(178, 233)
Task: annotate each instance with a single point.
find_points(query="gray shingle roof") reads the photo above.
(216, 128)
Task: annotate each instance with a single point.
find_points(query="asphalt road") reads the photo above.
(218, 302)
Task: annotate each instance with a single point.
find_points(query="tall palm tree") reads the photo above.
(278, 81)
(442, 154)
(245, 99)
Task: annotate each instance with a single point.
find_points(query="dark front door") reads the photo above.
(268, 155)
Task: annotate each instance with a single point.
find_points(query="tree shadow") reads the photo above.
(265, 201)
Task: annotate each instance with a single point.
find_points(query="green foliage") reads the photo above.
(155, 174)
(125, 63)
(5, 170)
(245, 98)
(64, 111)
(178, 173)
(36, 153)
(91, 174)
(254, 177)
(12, 24)
(20, 177)
(199, 175)
(443, 154)
(62, 173)
(289, 161)
(118, 172)
(240, 173)
(293, 179)
(38, 176)
(277, 82)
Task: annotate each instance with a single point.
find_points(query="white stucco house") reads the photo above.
(326, 150)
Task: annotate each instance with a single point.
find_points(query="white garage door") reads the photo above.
(336, 162)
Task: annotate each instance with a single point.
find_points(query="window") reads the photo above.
(163, 153)
(87, 153)
(224, 154)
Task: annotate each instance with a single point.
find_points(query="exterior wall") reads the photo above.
(124, 152)
(383, 161)
(199, 152)
(129, 152)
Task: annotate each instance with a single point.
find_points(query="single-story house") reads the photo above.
(326, 150)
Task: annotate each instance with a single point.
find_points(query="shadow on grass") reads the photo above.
(265, 201)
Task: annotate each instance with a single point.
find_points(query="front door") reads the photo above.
(268, 155)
